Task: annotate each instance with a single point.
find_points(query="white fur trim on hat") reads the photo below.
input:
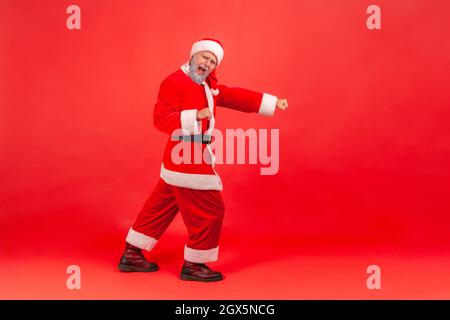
(208, 45)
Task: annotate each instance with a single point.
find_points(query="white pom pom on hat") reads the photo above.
(208, 44)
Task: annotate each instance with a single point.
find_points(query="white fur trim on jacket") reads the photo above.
(201, 256)
(191, 180)
(140, 240)
(210, 99)
(268, 104)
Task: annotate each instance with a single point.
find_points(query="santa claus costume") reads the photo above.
(189, 187)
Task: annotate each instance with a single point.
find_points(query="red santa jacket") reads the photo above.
(175, 113)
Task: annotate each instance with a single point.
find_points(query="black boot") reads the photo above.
(133, 260)
(199, 272)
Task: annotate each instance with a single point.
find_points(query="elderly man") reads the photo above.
(185, 110)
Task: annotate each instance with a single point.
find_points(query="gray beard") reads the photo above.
(198, 78)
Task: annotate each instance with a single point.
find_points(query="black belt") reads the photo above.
(199, 138)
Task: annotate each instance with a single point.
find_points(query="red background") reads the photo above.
(364, 145)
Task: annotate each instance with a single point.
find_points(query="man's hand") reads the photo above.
(282, 104)
(204, 113)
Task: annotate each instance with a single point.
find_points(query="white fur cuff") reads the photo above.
(189, 124)
(268, 104)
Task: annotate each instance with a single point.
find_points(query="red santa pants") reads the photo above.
(202, 212)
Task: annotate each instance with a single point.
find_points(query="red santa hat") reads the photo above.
(211, 45)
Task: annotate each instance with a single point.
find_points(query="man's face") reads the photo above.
(203, 63)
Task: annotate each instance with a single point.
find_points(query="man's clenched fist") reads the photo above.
(282, 104)
(204, 114)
